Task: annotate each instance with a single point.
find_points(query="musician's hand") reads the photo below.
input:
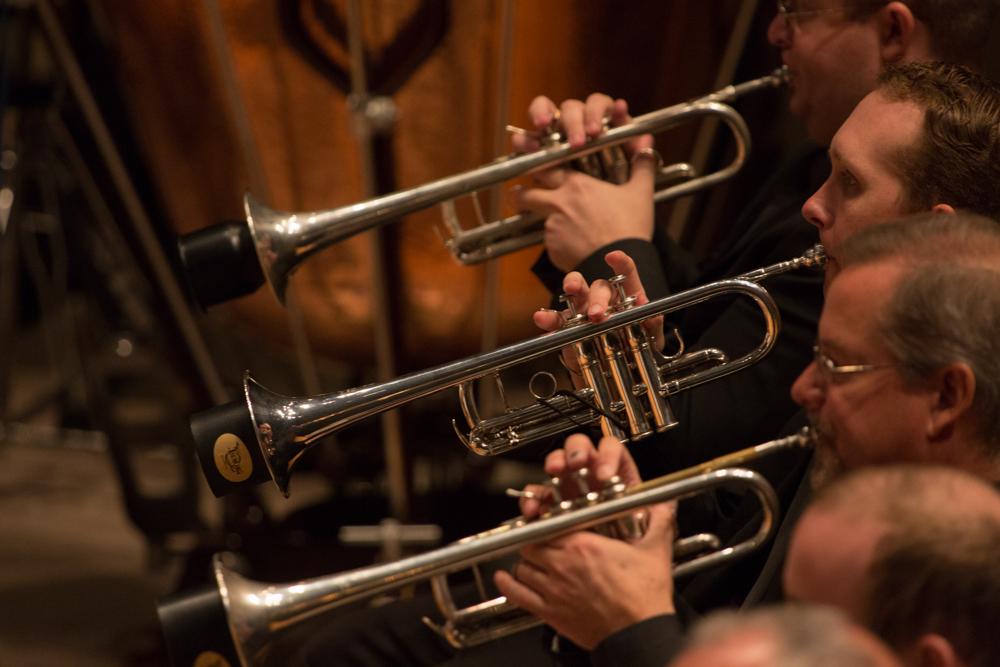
(595, 299)
(580, 121)
(587, 587)
(608, 459)
(584, 213)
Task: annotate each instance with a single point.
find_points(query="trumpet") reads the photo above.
(259, 613)
(230, 260)
(628, 382)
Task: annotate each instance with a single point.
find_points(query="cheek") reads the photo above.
(880, 204)
(853, 425)
(878, 434)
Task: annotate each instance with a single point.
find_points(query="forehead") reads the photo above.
(829, 547)
(855, 299)
(798, 5)
(876, 131)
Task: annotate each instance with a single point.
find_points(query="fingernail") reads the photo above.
(573, 456)
(605, 471)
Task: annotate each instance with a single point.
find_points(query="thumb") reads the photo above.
(538, 200)
(547, 319)
(662, 528)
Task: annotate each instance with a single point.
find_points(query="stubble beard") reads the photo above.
(826, 464)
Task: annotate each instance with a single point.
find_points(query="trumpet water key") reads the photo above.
(628, 383)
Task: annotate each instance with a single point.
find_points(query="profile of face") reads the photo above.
(869, 414)
(833, 62)
(864, 187)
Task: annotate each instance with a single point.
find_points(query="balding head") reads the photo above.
(908, 551)
(783, 636)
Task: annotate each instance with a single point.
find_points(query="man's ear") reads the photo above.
(897, 32)
(933, 650)
(943, 208)
(954, 391)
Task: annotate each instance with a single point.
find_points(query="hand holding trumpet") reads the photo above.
(585, 585)
(583, 213)
(595, 301)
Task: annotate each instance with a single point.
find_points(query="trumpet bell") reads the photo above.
(276, 254)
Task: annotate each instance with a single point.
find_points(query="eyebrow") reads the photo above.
(830, 346)
(838, 157)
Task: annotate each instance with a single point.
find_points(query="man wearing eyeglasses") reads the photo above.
(862, 190)
(905, 371)
(834, 49)
(905, 365)
(926, 140)
(834, 52)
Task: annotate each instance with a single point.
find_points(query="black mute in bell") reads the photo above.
(220, 263)
(226, 442)
(196, 630)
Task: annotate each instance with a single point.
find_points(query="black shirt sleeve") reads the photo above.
(652, 642)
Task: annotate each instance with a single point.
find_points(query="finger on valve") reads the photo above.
(612, 459)
(532, 500)
(625, 266)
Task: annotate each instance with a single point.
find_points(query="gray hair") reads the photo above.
(802, 635)
(946, 308)
(934, 569)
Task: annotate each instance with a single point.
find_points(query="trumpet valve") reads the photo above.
(622, 301)
(580, 477)
(555, 485)
(613, 488)
(574, 318)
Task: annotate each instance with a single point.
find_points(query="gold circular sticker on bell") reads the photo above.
(232, 458)
(210, 659)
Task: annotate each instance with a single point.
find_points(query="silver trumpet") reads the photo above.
(258, 613)
(283, 240)
(627, 384)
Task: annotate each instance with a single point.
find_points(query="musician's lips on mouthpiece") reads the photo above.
(821, 437)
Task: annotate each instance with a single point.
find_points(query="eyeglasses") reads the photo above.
(831, 370)
(789, 15)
